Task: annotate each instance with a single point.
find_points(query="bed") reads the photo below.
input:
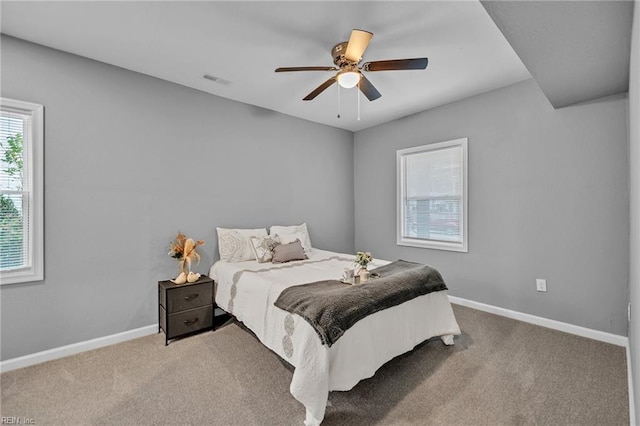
(248, 291)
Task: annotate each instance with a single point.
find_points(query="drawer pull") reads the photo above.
(191, 321)
(190, 297)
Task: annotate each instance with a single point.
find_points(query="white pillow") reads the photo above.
(289, 238)
(234, 244)
(282, 231)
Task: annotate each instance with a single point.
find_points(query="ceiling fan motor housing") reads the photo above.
(338, 56)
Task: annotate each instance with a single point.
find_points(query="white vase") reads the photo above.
(363, 274)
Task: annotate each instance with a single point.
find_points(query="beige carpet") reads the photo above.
(500, 372)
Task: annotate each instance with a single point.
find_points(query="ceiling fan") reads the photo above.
(347, 56)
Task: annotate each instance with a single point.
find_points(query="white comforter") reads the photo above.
(249, 289)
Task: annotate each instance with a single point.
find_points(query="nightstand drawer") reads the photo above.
(189, 297)
(189, 321)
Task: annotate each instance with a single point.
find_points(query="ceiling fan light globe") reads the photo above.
(348, 79)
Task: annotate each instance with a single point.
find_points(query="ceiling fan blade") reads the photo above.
(287, 69)
(397, 64)
(358, 43)
(368, 89)
(320, 89)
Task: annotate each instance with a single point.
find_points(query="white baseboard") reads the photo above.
(602, 336)
(55, 353)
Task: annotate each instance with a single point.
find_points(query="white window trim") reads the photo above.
(432, 244)
(36, 219)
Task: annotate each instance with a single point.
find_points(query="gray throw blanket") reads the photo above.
(332, 307)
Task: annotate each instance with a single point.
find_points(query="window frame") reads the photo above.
(401, 156)
(35, 270)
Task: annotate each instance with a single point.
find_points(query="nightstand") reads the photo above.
(185, 308)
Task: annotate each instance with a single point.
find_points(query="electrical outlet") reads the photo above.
(541, 285)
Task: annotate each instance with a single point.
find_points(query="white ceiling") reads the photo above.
(576, 50)
(243, 42)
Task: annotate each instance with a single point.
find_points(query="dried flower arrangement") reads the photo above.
(183, 249)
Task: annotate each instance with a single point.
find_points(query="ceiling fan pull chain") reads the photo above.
(358, 95)
(338, 100)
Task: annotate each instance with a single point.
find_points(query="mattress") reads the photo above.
(249, 289)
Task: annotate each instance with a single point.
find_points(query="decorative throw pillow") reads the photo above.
(262, 247)
(234, 244)
(288, 252)
(288, 230)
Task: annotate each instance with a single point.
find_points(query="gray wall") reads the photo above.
(129, 161)
(548, 198)
(634, 162)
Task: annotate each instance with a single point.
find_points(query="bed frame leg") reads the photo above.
(447, 339)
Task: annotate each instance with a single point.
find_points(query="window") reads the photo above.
(21, 191)
(432, 196)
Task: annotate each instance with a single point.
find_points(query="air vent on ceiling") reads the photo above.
(217, 79)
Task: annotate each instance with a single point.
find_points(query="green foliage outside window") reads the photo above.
(11, 220)
(13, 157)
